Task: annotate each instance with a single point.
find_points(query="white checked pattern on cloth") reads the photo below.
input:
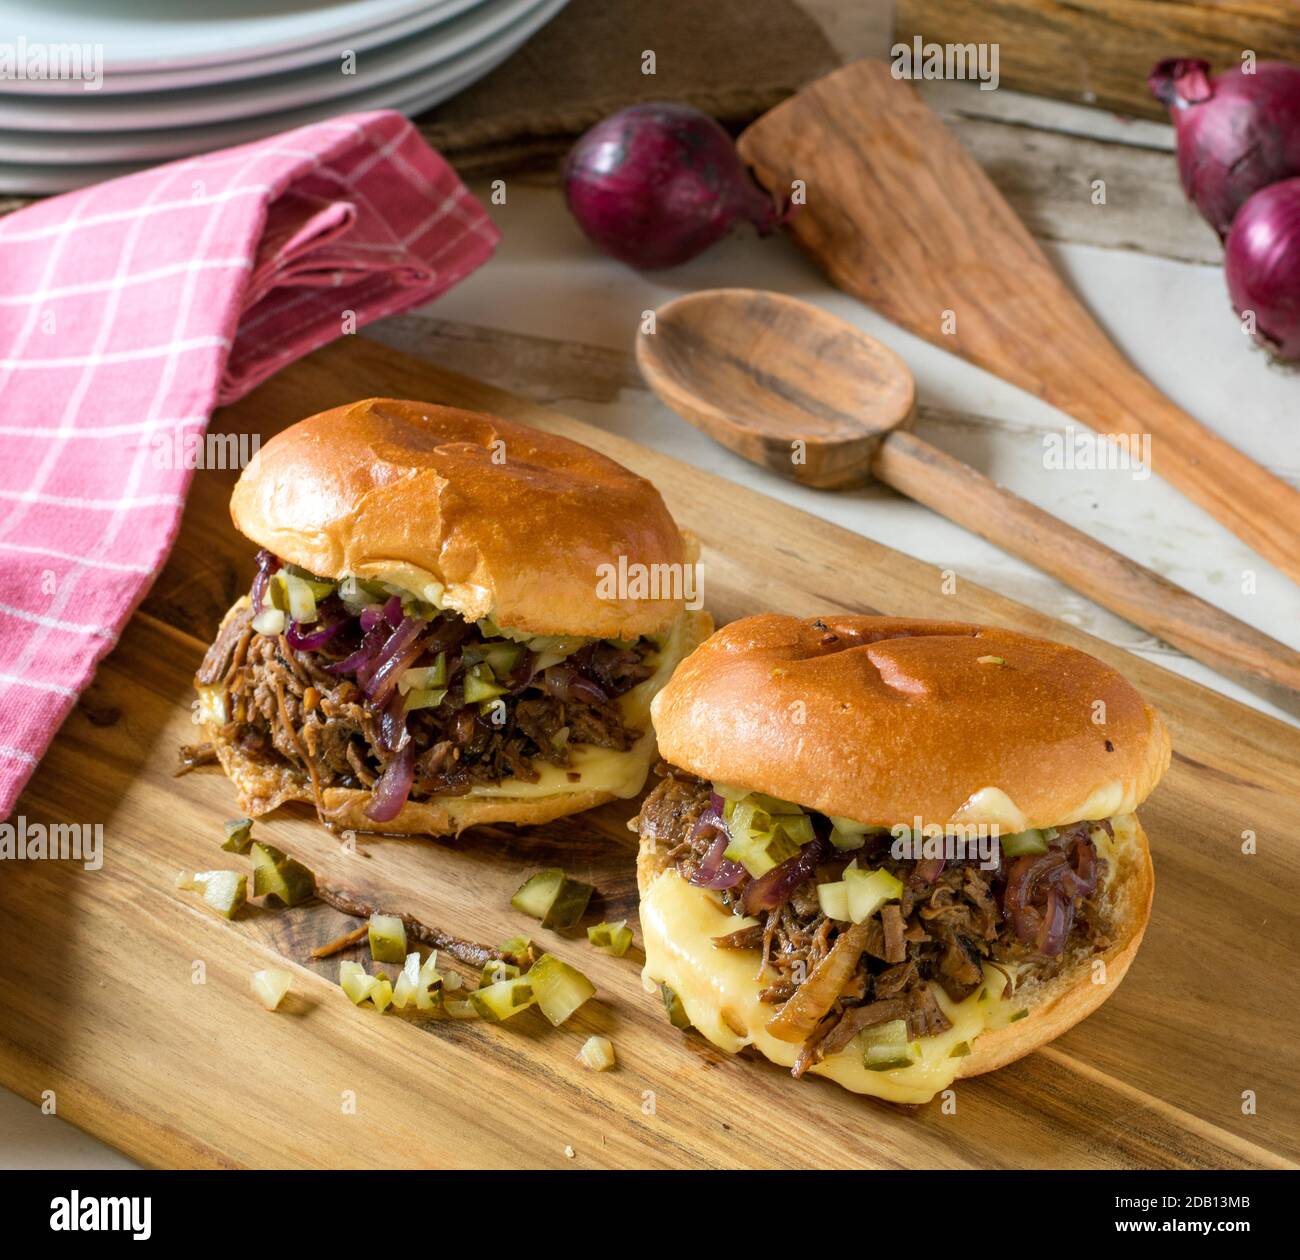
(129, 312)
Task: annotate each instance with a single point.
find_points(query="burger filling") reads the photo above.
(854, 941)
(360, 684)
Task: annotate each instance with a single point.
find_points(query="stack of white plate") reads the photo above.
(136, 82)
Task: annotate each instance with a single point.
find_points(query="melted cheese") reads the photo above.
(720, 990)
(993, 807)
(622, 774)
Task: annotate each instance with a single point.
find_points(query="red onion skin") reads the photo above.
(1262, 265)
(654, 185)
(1237, 132)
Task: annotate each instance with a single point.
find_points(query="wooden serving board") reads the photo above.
(99, 1001)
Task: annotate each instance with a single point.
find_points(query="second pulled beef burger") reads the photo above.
(427, 644)
(802, 891)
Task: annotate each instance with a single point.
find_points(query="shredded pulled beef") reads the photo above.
(952, 918)
(297, 707)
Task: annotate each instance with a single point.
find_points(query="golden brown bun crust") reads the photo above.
(881, 719)
(513, 521)
(1060, 1003)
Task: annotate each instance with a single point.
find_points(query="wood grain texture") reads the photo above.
(795, 389)
(98, 1003)
(1099, 52)
(899, 215)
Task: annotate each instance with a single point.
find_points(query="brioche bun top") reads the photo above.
(884, 719)
(513, 522)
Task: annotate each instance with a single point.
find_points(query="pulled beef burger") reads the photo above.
(426, 644)
(894, 852)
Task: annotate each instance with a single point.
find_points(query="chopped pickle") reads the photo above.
(834, 900)
(960, 1050)
(869, 890)
(403, 991)
(387, 938)
(611, 938)
(239, 835)
(677, 1016)
(276, 874)
(270, 622)
(459, 1008)
(267, 854)
(597, 1053)
(423, 698)
(496, 971)
(1024, 842)
(554, 898)
(355, 982)
(517, 945)
(224, 891)
(429, 973)
(760, 801)
(558, 988)
(382, 993)
(299, 594)
(848, 834)
(479, 685)
(1018, 1015)
(759, 851)
(503, 658)
(426, 677)
(320, 587)
(452, 982)
(846, 840)
(270, 986)
(503, 999)
(885, 1047)
(186, 881)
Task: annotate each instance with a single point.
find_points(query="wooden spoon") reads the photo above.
(900, 215)
(799, 391)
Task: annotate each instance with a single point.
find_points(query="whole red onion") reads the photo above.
(1237, 131)
(656, 184)
(1262, 263)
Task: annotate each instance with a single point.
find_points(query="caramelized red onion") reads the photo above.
(564, 682)
(1040, 893)
(266, 565)
(312, 639)
(370, 645)
(716, 871)
(393, 659)
(771, 890)
(393, 786)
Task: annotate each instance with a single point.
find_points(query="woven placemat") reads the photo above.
(732, 58)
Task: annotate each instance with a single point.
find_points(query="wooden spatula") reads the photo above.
(898, 214)
(791, 387)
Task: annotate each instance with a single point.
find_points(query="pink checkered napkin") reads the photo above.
(129, 311)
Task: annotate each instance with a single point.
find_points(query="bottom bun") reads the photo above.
(719, 989)
(262, 788)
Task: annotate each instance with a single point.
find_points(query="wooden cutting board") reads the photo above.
(130, 1001)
